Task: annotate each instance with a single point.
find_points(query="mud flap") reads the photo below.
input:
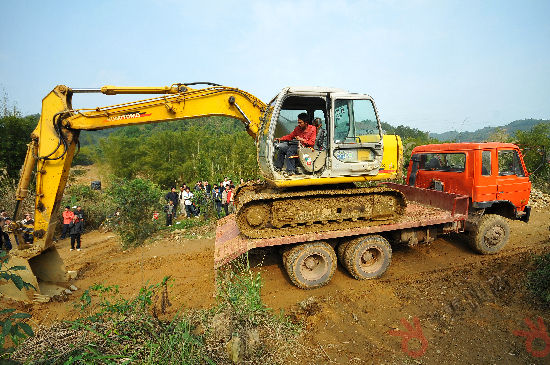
(526, 215)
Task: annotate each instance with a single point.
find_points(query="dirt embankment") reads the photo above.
(456, 307)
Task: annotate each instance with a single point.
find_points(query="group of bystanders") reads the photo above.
(220, 195)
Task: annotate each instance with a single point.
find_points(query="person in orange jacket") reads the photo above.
(67, 219)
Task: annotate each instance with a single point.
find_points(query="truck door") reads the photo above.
(356, 138)
(485, 176)
(512, 181)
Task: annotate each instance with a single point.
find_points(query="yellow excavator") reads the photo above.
(320, 196)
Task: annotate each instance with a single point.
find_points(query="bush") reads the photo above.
(539, 279)
(204, 204)
(137, 200)
(11, 327)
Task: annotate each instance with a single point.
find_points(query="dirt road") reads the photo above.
(459, 307)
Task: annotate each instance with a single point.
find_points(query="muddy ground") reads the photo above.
(461, 307)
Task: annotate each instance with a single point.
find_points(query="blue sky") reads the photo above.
(432, 65)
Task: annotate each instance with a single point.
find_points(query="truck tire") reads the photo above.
(310, 265)
(490, 235)
(341, 251)
(367, 257)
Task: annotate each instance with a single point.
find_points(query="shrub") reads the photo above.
(8, 186)
(11, 327)
(539, 279)
(137, 200)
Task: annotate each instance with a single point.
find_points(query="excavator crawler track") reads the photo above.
(274, 214)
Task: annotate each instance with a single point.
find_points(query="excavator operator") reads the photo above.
(304, 133)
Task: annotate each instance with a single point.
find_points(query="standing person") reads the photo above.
(303, 133)
(172, 195)
(224, 199)
(76, 228)
(207, 188)
(217, 197)
(80, 213)
(27, 234)
(231, 200)
(5, 242)
(189, 207)
(180, 198)
(67, 219)
(170, 213)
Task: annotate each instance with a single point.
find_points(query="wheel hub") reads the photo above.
(314, 266)
(494, 236)
(367, 256)
(311, 262)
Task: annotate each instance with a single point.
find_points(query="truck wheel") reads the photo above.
(342, 251)
(490, 235)
(367, 257)
(310, 265)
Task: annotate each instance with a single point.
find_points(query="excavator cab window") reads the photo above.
(355, 121)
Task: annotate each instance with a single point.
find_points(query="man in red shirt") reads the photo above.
(67, 219)
(305, 133)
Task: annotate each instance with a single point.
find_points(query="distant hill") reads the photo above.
(482, 134)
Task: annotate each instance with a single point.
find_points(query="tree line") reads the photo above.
(212, 148)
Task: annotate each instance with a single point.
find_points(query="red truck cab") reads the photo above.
(492, 174)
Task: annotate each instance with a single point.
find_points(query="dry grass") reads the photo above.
(238, 329)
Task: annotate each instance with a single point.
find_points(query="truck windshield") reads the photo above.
(451, 162)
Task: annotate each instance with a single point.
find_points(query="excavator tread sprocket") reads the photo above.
(262, 214)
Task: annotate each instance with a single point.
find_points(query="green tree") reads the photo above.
(499, 134)
(411, 133)
(182, 151)
(137, 199)
(121, 154)
(536, 145)
(15, 132)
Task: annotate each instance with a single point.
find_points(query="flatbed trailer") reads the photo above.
(308, 257)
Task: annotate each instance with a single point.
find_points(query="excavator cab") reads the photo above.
(353, 139)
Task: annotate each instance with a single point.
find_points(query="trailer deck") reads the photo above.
(424, 208)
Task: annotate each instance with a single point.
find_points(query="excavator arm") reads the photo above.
(54, 143)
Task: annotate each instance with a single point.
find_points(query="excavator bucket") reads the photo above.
(43, 269)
